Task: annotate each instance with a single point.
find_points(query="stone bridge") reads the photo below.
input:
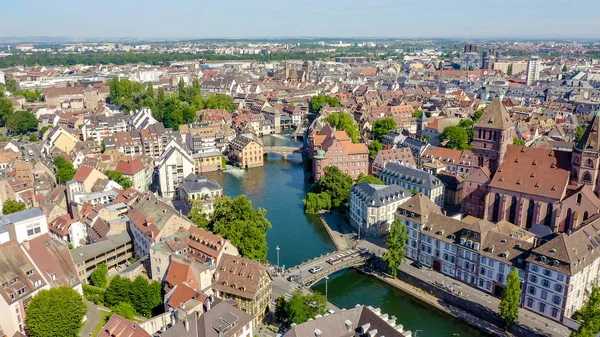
(282, 150)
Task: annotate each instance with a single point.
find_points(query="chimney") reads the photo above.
(348, 324)
(26, 244)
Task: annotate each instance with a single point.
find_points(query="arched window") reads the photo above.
(574, 174)
(548, 218)
(530, 213)
(589, 163)
(579, 199)
(586, 215)
(512, 213)
(496, 210)
(587, 178)
(568, 220)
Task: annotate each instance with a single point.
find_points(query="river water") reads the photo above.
(279, 187)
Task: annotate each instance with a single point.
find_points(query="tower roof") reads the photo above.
(422, 117)
(591, 138)
(495, 116)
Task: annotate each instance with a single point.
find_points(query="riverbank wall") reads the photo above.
(472, 313)
(336, 237)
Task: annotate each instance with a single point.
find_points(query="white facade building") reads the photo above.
(415, 180)
(372, 207)
(173, 166)
(23, 225)
(534, 66)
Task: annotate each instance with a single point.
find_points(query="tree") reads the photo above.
(369, 179)
(579, 132)
(124, 309)
(455, 138)
(55, 312)
(315, 202)
(417, 113)
(395, 242)
(589, 315)
(374, 148)
(509, 302)
(280, 310)
(13, 206)
(477, 115)
(467, 125)
(317, 101)
(33, 137)
(509, 70)
(302, 307)
(382, 127)
(344, 121)
(517, 141)
(99, 276)
(22, 122)
(197, 216)
(219, 102)
(64, 170)
(223, 162)
(145, 296)
(11, 85)
(564, 68)
(337, 184)
(246, 228)
(118, 291)
(6, 109)
(43, 130)
(118, 177)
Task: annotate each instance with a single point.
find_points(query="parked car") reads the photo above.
(293, 278)
(417, 265)
(315, 269)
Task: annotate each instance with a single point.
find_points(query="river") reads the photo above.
(279, 187)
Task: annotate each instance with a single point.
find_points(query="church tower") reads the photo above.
(493, 132)
(421, 123)
(585, 161)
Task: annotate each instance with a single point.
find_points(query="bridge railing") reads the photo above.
(310, 281)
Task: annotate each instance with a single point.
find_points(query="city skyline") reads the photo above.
(185, 19)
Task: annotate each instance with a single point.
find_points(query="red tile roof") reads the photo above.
(82, 173)
(130, 167)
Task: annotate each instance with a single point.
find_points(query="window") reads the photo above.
(544, 295)
(491, 263)
(545, 283)
(531, 290)
(482, 271)
(542, 307)
(547, 272)
(530, 302)
(483, 260)
(533, 278)
(33, 229)
(554, 312)
(501, 267)
(558, 288)
(560, 277)
(556, 300)
(534, 268)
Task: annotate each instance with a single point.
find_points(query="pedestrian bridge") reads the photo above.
(282, 150)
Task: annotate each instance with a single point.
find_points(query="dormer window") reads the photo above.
(29, 272)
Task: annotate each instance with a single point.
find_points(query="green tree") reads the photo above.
(223, 162)
(317, 101)
(579, 132)
(477, 115)
(315, 202)
(11, 85)
(395, 242)
(509, 303)
(302, 307)
(374, 148)
(564, 68)
(197, 216)
(145, 296)
(64, 170)
(118, 177)
(22, 122)
(417, 113)
(13, 206)
(246, 228)
(510, 70)
(281, 311)
(55, 312)
(467, 124)
(6, 109)
(219, 102)
(589, 315)
(100, 275)
(118, 290)
(455, 138)
(369, 179)
(124, 309)
(344, 121)
(337, 184)
(43, 130)
(382, 127)
(517, 141)
(33, 137)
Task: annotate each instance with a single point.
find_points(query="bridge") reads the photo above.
(329, 264)
(282, 150)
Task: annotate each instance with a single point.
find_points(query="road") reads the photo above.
(93, 318)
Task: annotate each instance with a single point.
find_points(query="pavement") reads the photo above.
(93, 318)
(534, 321)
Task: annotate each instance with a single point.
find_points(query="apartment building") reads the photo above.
(173, 166)
(199, 189)
(329, 147)
(246, 152)
(245, 281)
(22, 226)
(99, 127)
(151, 141)
(414, 180)
(137, 172)
(115, 251)
(372, 207)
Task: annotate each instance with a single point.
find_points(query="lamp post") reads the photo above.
(277, 249)
(326, 278)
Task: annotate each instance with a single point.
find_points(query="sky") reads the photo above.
(182, 19)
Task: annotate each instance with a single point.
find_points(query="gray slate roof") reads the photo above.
(379, 195)
(411, 175)
(194, 183)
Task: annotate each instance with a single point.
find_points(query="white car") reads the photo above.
(315, 269)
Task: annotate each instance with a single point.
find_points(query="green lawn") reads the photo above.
(104, 318)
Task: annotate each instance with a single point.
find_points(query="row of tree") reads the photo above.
(344, 121)
(236, 220)
(171, 109)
